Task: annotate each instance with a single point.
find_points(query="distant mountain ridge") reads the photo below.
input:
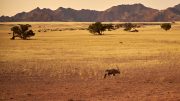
(120, 13)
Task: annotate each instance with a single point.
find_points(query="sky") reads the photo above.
(12, 7)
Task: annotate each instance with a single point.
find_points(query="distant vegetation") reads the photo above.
(22, 31)
(96, 28)
(166, 26)
(109, 27)
(130, 27)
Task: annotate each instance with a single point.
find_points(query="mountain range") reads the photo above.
(120, 13)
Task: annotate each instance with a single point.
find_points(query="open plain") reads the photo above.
(64, 62)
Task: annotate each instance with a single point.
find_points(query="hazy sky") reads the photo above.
(11, 7)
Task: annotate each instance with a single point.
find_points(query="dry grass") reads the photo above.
(69, 65)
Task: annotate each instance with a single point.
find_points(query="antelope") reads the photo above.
(111, 72)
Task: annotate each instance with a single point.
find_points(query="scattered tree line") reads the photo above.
(98, 28)
(24, 32)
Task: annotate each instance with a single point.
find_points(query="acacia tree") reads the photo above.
(96, 28)
(166, 26)
(22, 31)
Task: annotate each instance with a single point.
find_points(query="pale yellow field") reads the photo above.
(69, 65)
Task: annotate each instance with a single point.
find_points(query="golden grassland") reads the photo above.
(69, 65)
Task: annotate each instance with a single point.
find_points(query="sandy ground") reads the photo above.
(69, 65)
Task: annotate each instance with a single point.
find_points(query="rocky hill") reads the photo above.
(133, 13)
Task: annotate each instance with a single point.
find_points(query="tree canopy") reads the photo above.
(96, 28)
(166, 26)
(22, 31)
(129, 27)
